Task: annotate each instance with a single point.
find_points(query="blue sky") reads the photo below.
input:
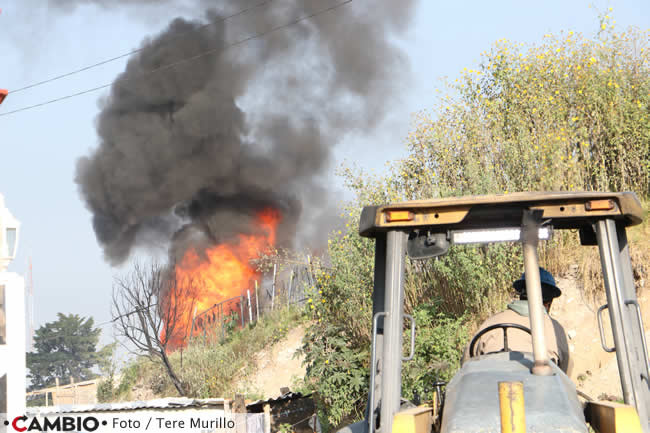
(40, 147)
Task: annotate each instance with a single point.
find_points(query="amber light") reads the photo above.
(599, 205)
(399, 215)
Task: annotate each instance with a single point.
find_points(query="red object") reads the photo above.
(3, 95)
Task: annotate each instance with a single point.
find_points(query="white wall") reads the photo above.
(13, 361)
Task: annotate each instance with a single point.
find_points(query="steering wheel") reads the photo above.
(503, 326)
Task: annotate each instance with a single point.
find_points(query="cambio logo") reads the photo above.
(61, 423)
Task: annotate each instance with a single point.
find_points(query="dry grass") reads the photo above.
(588, 260)
(210, 369)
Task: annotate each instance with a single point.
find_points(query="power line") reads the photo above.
(182, 61)
(95, 326)
(130, 53)
(137, 310)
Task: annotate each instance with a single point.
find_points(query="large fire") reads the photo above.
(225, 271)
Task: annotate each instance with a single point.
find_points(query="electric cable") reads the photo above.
(137, 50)
(182, 61)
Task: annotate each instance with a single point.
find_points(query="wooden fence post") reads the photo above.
(222, 321)
(275, 270)
(267, 418)
(257, 303)
(290, 284)
(241, 309)
(193, 318)
(250, 309)
(239, 409)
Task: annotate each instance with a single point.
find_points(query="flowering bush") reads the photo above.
(570, 114)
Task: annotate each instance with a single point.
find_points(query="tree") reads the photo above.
(65, 348)
(152, 309)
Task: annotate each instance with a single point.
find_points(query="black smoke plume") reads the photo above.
(191, 153)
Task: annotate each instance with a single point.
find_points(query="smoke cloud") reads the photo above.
(190, 154)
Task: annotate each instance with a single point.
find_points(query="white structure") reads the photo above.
(12, 320)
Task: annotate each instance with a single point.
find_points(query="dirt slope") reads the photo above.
(276, 367)
(595, 372)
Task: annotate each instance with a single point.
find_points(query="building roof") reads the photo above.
(161, 403)
(169, 403)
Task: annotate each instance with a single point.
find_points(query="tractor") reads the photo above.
(506, 391)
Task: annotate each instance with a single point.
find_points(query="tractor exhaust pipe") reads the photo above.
(529, 239)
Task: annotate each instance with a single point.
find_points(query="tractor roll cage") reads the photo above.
(427, 226)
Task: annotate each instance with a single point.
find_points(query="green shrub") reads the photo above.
(439, 343)
(129, 377)
(106, 390)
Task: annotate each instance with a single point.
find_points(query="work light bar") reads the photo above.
(484, 236)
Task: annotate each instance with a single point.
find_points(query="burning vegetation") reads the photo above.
(222, 157)
(222, 272)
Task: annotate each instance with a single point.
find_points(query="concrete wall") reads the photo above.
(83, 393)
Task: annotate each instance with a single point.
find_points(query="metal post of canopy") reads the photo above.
(529, 241)
(608, 246)
(378, 307)
(627, 331)
(640, 350)
(391, 386)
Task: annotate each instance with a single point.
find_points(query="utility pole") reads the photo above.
(30, 282)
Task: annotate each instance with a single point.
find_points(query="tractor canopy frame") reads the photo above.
(426, 228)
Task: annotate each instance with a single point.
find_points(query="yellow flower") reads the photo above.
(327, 361)
(309, 300)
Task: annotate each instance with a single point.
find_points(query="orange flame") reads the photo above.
(225, 272)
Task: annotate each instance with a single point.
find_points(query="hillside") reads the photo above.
(261, 353)
(275, 367)
(595, 372)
